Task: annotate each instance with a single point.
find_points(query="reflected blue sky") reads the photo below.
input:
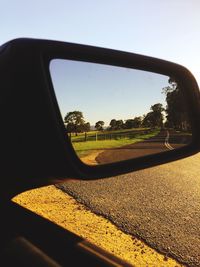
(105, 92)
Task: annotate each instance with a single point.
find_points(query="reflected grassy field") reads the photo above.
(85, 148)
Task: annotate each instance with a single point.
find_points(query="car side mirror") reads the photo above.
(83, 112)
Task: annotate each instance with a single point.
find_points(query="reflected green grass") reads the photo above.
(85, 148)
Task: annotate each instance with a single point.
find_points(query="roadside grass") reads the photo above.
(85, 148)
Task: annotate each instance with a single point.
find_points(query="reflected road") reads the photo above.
(164, 141)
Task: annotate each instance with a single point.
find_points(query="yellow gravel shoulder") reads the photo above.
(57, 206)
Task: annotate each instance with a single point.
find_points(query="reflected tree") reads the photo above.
(176, 110)
(75, 123)
(154, 118)
(99, 125)
(119, 124)
(113, 124)
(116, 124)
(133, 123)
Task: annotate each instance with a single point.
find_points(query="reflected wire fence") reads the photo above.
(101, 136)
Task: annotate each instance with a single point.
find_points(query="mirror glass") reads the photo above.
(115, 113)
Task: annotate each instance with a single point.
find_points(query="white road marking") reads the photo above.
(167, 142)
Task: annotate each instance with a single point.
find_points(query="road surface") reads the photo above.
(165, 140)
(160, 205)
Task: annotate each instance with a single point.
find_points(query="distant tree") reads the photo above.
(75, 123)
(113, 124)
(133, 123)
(148, 120)
(155, 117)
(157, 108)
(119, 124)
(99, 125)
(116, 124)
(129, 124)
(69, 127)
(87, 127)
(137, 122)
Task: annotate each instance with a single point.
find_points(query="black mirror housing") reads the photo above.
(34, 147)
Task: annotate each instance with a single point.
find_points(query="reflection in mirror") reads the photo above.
(114, 113)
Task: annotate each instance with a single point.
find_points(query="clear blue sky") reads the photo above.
(164, 29)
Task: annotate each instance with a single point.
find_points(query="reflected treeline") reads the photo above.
(174, 115)
(176, 109)
(75, 122)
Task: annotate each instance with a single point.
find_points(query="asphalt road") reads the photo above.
(165, 140)
(160, 205)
